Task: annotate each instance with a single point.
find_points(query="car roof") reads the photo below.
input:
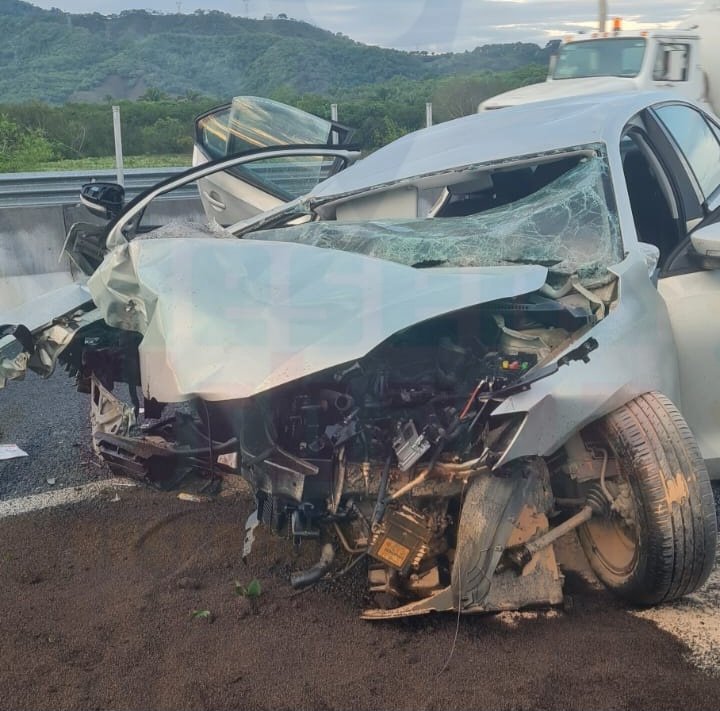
(496, 135)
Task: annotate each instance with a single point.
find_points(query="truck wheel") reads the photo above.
(659, 543)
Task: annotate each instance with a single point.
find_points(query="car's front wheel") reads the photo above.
(658, 542)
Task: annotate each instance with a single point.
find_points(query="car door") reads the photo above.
(254, 124)
(690, 286)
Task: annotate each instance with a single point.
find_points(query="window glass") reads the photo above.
(213, 133)
(259, 123)
(671, 62)
(697, 141)
(569, 225)
(620, 57)
(252, 122)
(287, 177)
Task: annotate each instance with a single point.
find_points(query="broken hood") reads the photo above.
(225, 319)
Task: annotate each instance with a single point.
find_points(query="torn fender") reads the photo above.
(636, 354)
(34, 317)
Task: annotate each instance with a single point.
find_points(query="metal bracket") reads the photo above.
(409, 446)
(108, 414)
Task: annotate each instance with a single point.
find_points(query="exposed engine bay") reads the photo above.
(372, 458)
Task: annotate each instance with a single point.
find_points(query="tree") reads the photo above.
(22, 149)
(154, 94)
(167, 135)
(191, 95)
(460, 96)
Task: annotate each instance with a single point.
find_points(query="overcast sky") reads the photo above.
(435, 25)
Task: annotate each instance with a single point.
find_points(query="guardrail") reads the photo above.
(63, 187)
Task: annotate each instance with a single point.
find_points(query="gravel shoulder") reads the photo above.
(695, 619)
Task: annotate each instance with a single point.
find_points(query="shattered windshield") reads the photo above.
(568, 226)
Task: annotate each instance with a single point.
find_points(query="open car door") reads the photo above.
(250, 125)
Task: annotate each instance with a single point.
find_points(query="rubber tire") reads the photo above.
(659, 457)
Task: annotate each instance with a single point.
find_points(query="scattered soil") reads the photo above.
(98, 602)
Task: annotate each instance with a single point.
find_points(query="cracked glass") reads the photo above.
(569, 226)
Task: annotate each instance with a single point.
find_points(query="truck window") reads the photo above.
(671, 62)
(620, 57)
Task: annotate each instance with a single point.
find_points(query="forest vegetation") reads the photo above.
(64, 71)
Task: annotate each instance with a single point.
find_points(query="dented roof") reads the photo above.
(492, 136)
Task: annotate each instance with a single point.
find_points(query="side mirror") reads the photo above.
(706, 244)
(103, 199)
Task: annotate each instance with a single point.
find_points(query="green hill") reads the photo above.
(52, 56)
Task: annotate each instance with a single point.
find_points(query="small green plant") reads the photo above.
(201, 615)
(252, 591)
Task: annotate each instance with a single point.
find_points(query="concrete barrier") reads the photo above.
(32, 238)
(31, 241)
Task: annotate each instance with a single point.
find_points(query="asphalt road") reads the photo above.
(49, 420)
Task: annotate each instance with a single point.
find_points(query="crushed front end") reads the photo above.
(361, 378)
(391, 458)
(388, 459)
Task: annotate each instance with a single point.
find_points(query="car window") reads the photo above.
(569, 225)
(252, 122)
(288, 177)
(697, 142)
(652, 200)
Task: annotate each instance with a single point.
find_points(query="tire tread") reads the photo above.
(659, 456)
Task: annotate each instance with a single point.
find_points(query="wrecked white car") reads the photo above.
(441, 360)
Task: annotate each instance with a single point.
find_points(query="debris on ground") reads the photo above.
(11, 451)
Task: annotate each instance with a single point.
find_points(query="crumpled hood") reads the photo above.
(560, 88)
(226, 319)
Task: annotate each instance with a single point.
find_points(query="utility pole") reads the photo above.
(602, 15)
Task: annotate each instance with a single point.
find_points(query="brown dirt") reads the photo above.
(97, 599)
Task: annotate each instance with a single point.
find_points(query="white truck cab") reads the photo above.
(618, 61)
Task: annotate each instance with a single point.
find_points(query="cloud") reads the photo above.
(436, 25)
